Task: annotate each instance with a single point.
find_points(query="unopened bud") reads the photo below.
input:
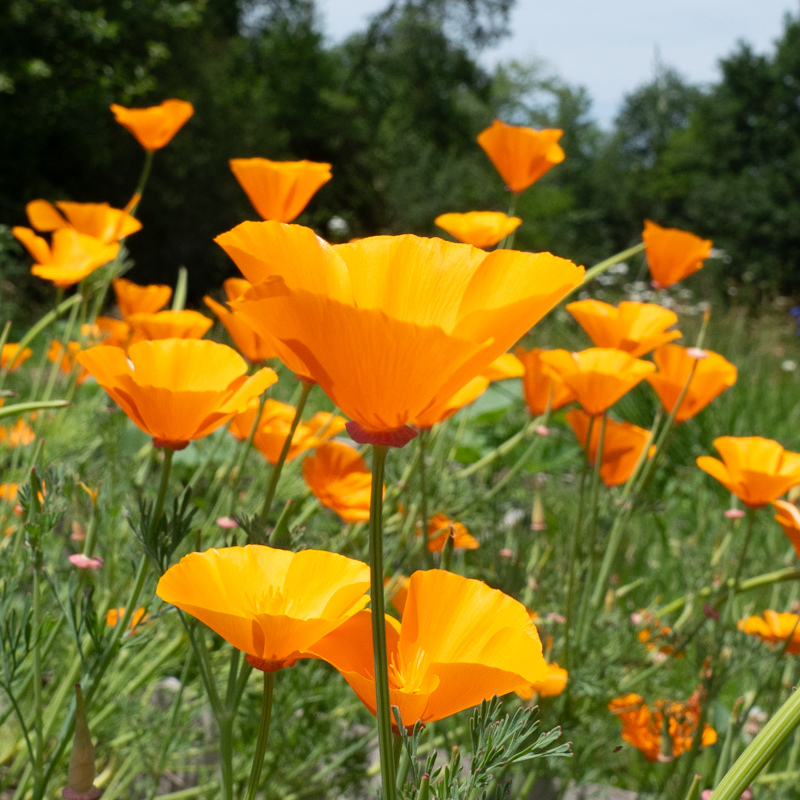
(80, 777)
(538, 522)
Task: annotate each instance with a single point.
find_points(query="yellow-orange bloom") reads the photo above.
(176, 390)
(113, 332)
(636, 328)
(598, 377)
(673, 254)
(712, 376)
(99, 220)
(279, 190)
(12, 357)
(8, 492)
(135, 299)
(756, 470)
(155, 126)
(440, 526)
(169, 325)
(478, 228)
(774, 628)
(66, 360)
(18, 434)
(69, 258)
(551, 686)
(271, 604)
(539, 381)
(459, 643)
(622, 446)
(114, 615)
(521, 155)
(391, 325)
(788, 517)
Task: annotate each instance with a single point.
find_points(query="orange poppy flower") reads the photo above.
(113, 332)
(391, 325)
(71, 256)
(279, 190)
(622, 446)
(271, 604)
(8, 492)
(12, 356)
(253, 347)
(712, 376)
(673, 254)
(459, 643)
(788, 517)
(478, 228)
(756, 470)
(340, 480)
(176, 390)
(521, 155)
(636, 328)
(504, 367)
(397, 591)
(551, 686)
(169, 325)
(155, 126)
(135, 299)
(67, 359)
(440, 527)
(17, 434)
(98, 220)
(598, 377)
(539, 381)
(774, 628)
(114, 615)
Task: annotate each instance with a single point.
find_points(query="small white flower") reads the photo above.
(788, 365)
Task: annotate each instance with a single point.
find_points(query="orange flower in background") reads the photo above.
(636, 328)
(551, 686)
(113, 332)
(18, 434)
(391, 325)
(712, 376)
(155, 126)
(521, 155)
(788, 517)
(69, 258)
(478, 228)
(340, 480)
(114, 615)
(539, 380)
(169, 325)
(176, 390)
(459, 643)
(66, 360)
(12, 357)
(756, 470)
(622, 446)
(279, 190)
(8, 492)
(598, 377)
(135, 299)
(775, 628)
(99, 220)
(271, 604)
(504, 367)
(673, 254)
(397, 591)
(440, 526)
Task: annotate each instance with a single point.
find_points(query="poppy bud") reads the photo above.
(80, 777)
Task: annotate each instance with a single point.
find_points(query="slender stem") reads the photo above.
(501, 449)
(225, 723)
(751, 518)
(244, 449)
(508, 241)
(423, 497)
(145, 174)
(63, 352)
(3, 340)
(162, 489)
(263, 735)
(88, 544)
(179, 297)
(38, 724)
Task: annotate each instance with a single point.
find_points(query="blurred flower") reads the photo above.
(176, 390)
(712, 376)
(539, 380)
(17, 434)
(478, 228)
(673, 254)
(66, 359)
(12, 357)
(271, 604)
(756, 470)
(8, 492)
(375, 324)
(551, 686)
(155, 126)
(788, 365)
(169, 325)
(774, 628)
(635, 328)
(735, 513)
(459, 643)
(85, 562)
(135, 299)
(521, 155)
(788, 517)
(440, 527)
(114, 615)
(504, 367)
(397, 591)
(98, 220)
(113, 332)
(227, 523)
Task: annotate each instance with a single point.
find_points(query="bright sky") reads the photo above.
(609, 46)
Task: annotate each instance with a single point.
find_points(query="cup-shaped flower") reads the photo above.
(775, 628)
(788, 517)
(521, 155)
(479, 228)
(391, 325)
(756, 470)
(540, 381)
(622, 445)
(12, 357)
(271, 604)
(176, 390)
(169, 325)
(440, 527)
(551, 686)
(155, 126)
(459, 643)
(598, 377)
(636, 328)
(70, 256)
(135, 299)
(99, 220)
(673, 254)
(712, 376)
(279, 190)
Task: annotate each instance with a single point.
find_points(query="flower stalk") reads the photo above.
(263, 735)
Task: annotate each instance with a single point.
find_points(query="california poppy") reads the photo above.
(478, 228)
(176, 390)
(622, 446)
(271, 604)
(774, 628)
(12, 357)
(391, 325)
(636, 328)
(521, 155)
(98, 220)
(459, 643)
(788, 517)
(551, 686)
(756, 470)
(113, 332)
(540, 381)
(135, 299)
(504, 367)
(17, 434)
(598, 377)
(712, 376)
(673, 254)
(440, 527)
(169, 325)
(155, 126)
(66, 360)
(114, 615)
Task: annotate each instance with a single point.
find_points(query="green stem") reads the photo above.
(263, 735)
(244, 450)
(751, 518)
(64, 352)
(225, 724)
(423, 498)
(162, 489)
(179, 298)
(38, 764)
(145, 174)
(501, 449)
(599, 269)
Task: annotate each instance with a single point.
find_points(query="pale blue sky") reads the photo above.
(609, 46)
